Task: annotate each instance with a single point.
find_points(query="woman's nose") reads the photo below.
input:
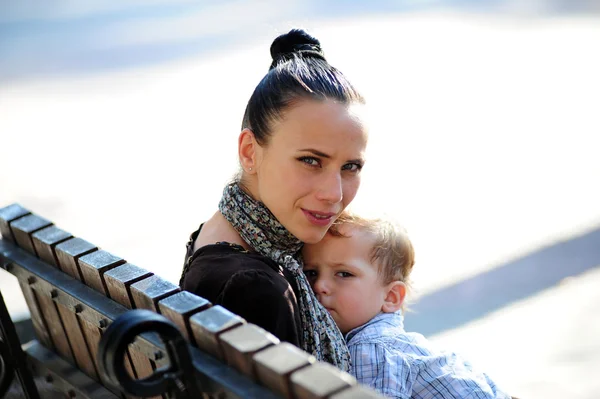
(330, 189)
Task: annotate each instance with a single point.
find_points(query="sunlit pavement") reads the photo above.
(483, 144)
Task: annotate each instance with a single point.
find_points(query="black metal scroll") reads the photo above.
(176, 379)
(12, 358)
(7, 372)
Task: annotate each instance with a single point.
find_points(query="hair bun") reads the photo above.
(295, 41)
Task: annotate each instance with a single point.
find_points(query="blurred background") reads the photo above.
(119, 123)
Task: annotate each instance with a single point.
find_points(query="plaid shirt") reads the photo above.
(405, 365)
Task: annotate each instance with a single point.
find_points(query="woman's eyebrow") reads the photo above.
(316, 152)
(327, 156)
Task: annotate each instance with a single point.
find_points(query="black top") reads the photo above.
(248, 284)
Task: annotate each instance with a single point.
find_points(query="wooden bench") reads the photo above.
(104, 326)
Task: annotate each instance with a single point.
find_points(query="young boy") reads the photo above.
(360, 274)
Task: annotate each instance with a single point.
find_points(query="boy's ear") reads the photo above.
(396, 291)
(247, 150)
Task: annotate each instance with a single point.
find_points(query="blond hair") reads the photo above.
(392, 252)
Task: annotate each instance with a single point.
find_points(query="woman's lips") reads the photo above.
(318, 218)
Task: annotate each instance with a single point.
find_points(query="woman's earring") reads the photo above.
(250, 169)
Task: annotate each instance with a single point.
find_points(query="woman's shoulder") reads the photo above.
(227, 255)
(248, 284)
(215, 264)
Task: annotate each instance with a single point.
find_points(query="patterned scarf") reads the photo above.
(257, 226)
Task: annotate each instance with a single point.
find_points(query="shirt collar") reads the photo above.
(395, 319)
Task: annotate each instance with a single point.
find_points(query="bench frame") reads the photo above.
(94, 308)
(81, 299)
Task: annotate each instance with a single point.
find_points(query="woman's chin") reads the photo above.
(312, 237)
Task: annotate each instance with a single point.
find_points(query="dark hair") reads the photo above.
(299, 70)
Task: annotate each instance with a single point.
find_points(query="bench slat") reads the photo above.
(94, 265)
(55, 326)
(63, 376)
(77, 341)
(180, 307)
(275, 364)
(45, 240)
(147, 292)
(319, 380)
(36, 310)
(240, 343)
(120, 278)
(22, 229)
(69, 251)
(7, 215)
(209, 324)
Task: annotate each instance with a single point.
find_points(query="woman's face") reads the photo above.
(311, 167)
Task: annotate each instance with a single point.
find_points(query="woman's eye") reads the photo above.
(310, 161)
(352, 167)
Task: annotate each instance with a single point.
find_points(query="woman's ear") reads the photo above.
(248, 151)
(396, 291)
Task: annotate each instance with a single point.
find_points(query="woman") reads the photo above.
(301, 151)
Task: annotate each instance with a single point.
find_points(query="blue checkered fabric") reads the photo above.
(405, 365)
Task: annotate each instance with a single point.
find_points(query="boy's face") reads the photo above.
(344, 280)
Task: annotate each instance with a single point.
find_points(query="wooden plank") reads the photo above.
(357, 392)
(94, 265)
(78, 343)
(63, 376)
(55, 327)
(209, 324)
(45, 240)
(7, 215)
(179, 307)
(92, 334)
(22, 229)
(240, 343)
(120, 278)
(69, 251)
(319, 380)
(142, 365)
(38, 315)
(147, 292)
(275, 364)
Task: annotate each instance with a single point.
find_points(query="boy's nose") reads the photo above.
(322, 287)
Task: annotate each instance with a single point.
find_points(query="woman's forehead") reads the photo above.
(326, 123)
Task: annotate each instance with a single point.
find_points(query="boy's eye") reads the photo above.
(312, 161)
(310, 273)
(344, 274)
(352, 167)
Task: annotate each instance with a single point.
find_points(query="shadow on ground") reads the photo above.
(471, 299)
